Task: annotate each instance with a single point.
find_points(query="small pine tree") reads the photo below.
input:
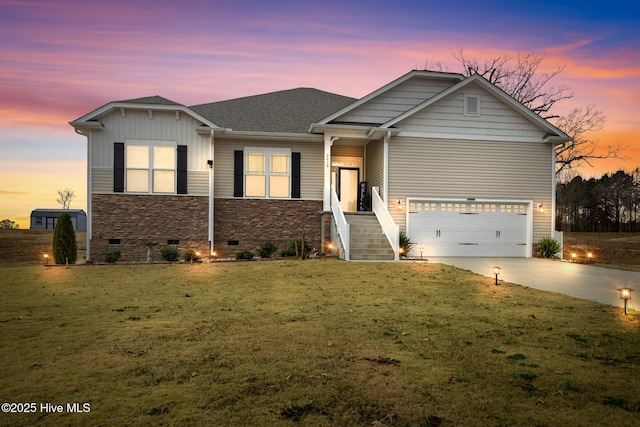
(64, 240)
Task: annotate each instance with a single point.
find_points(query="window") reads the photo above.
(471, 105)
(267, 173)
(114, 241)
(150, 168)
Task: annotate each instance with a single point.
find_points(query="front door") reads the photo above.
(348, 179)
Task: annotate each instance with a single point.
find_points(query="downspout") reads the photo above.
(211, 182)
(553, 191)
(385, 173)
(87, 255)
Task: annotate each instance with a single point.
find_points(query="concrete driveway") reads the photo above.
(578, 280)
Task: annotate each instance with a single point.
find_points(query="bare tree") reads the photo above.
(65, 196)
(522, 81)
(581, 149)
(533, 88)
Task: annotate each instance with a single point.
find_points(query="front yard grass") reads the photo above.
(316, 342)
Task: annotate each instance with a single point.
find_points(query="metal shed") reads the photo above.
(46, 219)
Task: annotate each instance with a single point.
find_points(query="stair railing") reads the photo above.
(389, 227)
(341, 223)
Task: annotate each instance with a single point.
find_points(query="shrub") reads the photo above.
(548, 248)
(111, 255)
(64, 240)
(191, 255)
(405, 243)
(170, 254)
(267, 249)
(291, 250)
(244, 255)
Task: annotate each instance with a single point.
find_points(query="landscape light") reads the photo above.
(573, 257)
(421, 251)
(496, 271)
(590, 256)
(46, 259)
(625, 294)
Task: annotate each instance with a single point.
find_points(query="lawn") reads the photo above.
(615, 250)
(315, 342)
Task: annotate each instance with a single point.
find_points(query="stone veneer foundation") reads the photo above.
(139, 219)
(251, 222)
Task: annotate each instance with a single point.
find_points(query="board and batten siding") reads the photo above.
(397, 100)
(311, 167)
(163, 126)
(496, 119)
(375, 165)
(462, 169)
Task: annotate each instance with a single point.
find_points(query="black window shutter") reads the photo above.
(295, 175)
(238, 173)
(182, 169)
(118, 167)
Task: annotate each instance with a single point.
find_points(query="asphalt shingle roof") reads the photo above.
(284, 111)
(151, 100)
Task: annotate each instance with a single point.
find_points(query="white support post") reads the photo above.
(385, 178)
(326, 196)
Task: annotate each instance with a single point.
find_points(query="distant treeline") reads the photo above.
(610, 203)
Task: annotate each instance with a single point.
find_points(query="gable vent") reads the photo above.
(472, 105)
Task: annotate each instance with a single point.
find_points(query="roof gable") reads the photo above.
(283, 111)
(493, 90)
(394, 98)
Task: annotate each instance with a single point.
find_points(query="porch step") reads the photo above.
(367, 240)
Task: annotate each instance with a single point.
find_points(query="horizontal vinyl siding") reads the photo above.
(375, 165)
(397, 100)
(102, 180)
(347, 151)
(311, 171)
(447, 117)
(198, 183)
(471, 169)
(162, 127)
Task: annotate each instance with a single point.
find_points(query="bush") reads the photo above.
(111, 255)
(244, 255)
(267, 249)
(405, 244)
(64, 240)
(191, 255)
(548, 248)
(170, 254)
(291, 250)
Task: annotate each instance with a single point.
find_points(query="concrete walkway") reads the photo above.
(578, 280)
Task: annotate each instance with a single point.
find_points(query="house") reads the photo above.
(46, 219)
(456, 163)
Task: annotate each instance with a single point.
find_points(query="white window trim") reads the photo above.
(267, 152)
(150, 144)
(466, 103)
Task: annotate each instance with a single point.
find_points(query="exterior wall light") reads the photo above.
(496, 271)
(625, 294)
(399, 204)
(540, 208)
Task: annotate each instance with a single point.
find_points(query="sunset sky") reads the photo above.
(60, 60)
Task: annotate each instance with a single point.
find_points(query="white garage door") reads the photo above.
(460, 228)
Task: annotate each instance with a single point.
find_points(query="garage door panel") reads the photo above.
(444, 228)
